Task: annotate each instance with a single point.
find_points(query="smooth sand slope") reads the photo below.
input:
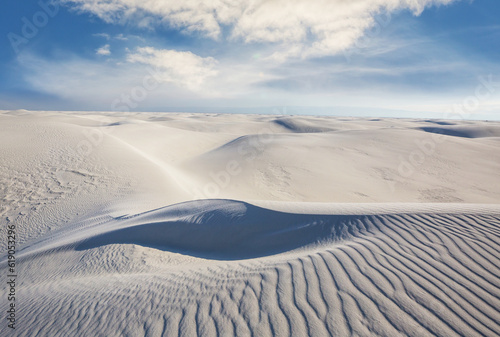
(245, 225)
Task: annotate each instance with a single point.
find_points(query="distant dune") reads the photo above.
(466, 131)
(150, 224)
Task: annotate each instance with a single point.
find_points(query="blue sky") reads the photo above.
(428, 58)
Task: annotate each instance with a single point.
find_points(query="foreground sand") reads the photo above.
(224, 225)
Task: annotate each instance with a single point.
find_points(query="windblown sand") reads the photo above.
(156, 224)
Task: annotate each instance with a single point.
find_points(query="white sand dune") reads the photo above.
(243, 225)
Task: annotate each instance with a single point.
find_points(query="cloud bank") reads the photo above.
(300, 28)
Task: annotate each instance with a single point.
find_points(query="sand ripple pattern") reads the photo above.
(393, 275)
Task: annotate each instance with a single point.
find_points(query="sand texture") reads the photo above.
(156, 224)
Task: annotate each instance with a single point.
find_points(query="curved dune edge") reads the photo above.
(231, 230)
(399, 274)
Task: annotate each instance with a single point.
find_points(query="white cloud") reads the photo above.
(184, 69)
(121, 37)
(103, 35)
(301, 28)
(104, 50)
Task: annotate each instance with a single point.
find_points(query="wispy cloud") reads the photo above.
(187, 77)
(91, 82)
(103, 35)
(75, 78)
(104, 50)
(121, 37)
